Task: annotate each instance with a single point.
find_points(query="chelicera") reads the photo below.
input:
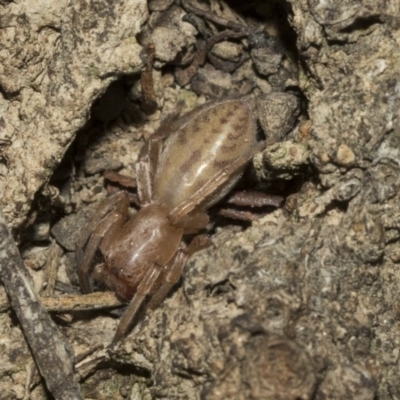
(185, 168)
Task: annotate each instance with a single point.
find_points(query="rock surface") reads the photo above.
(304, 303)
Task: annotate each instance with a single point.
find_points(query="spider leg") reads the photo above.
(205, 193)
(148, 160)
(119, 179)
(240, 215)
(174, 270)
(145, 169)
(143, 176)
(254, 199)
(247, 199)
(145, 287)
(117, 202)
(110, 212)
(192, 223)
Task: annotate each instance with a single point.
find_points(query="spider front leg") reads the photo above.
(174, 271)
(170, 274)
(108, 218)
(145, 287)
(148, 160)
(191, 223)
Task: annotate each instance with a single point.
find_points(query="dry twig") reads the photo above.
(52, 354)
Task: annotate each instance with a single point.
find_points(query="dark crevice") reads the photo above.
(362, 24)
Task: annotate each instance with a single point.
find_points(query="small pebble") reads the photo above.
(345, 156)
(227, 51)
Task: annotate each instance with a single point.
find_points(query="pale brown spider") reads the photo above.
(202, 157)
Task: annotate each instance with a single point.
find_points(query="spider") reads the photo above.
(187, 166)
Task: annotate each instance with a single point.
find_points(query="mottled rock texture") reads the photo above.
(303, 304)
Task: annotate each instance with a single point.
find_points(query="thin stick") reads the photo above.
(73, 302)
(49, 349)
